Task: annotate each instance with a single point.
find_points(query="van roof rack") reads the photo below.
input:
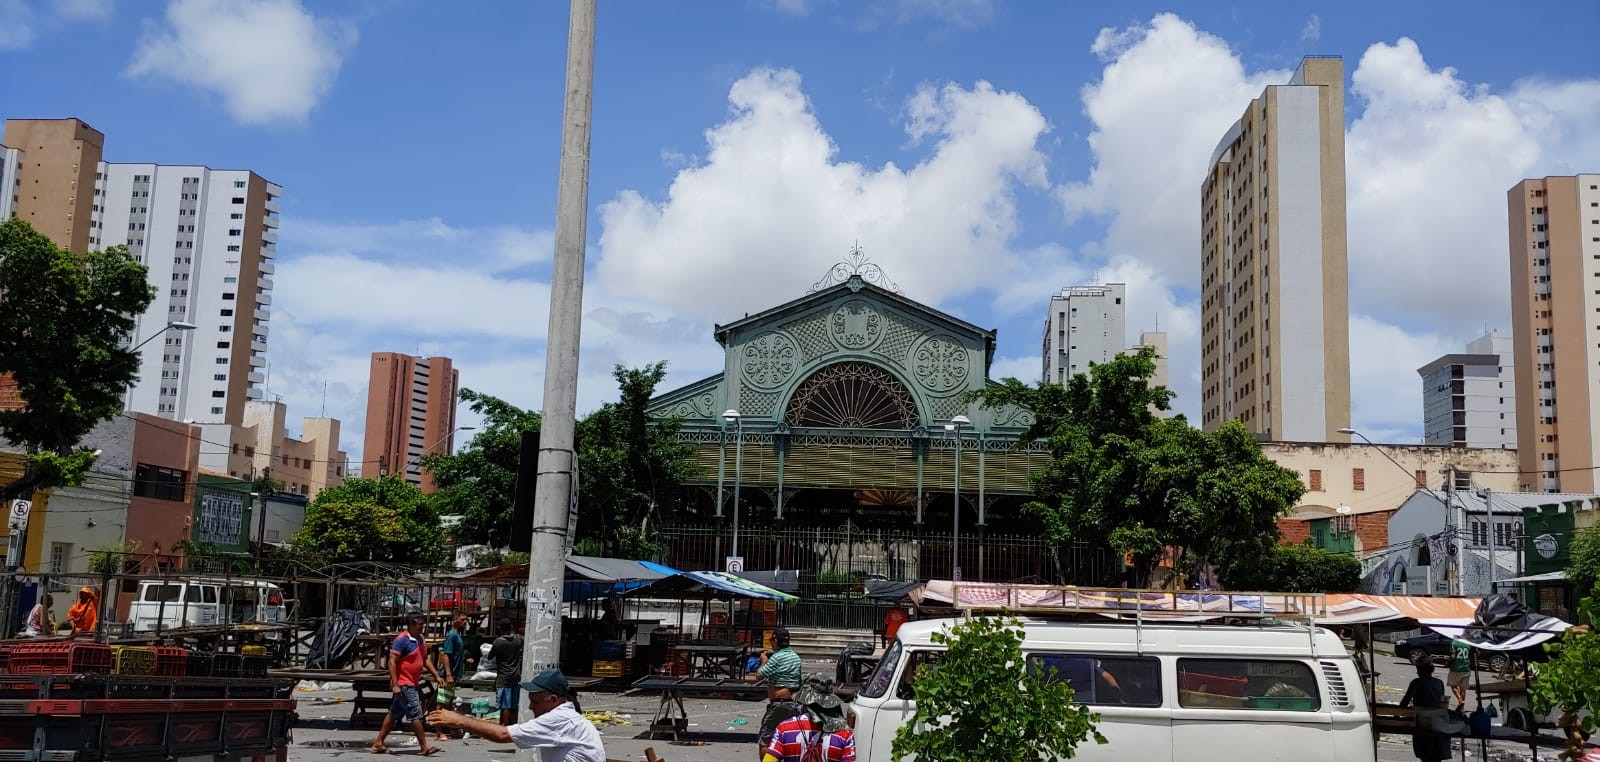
(1150, 605)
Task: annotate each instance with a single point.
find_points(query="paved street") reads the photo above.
(725, 729)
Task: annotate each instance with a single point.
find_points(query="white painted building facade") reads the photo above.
(1469, 399)
(10, 181)
(1086, 324)
(208, 238)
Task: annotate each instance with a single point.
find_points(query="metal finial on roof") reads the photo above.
(856, 263)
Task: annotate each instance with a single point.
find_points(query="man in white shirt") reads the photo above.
(557, 730)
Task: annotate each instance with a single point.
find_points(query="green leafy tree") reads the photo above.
(630, 467)
(387, 519)
(64, 320)
(1120, 477)
(479, 483)
(984, 702)
(1570, 680)
(1302, 568)
(1583, 564)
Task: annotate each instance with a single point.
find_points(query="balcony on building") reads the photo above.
(268, 268)
(263, 300)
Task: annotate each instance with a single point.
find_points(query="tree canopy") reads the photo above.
(1583, 565)
(1570, 680)
(983, 701)
(479, 482)
(386, 519)
(630, 468)
(1145, 486)
(64, 323)
(1299, 568)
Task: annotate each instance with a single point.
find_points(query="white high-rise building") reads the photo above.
(1470, 400)
(209, 239)
(10, 181)
(1086, 324)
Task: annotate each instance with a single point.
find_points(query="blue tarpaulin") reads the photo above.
(718, 584)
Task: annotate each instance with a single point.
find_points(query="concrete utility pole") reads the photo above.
(557, 456)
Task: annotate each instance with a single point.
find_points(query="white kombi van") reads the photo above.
(202, 602)
(1164, 690)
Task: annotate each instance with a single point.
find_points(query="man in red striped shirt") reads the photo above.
(819, 734)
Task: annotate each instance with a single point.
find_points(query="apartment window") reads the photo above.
(229, 279)
(222, 361)
(227, 313)
(238, 199)
(222, 345)
(1358, 477)
(223, 377)
(158, 482)
(227, 296)
(1345, 524)
(58, 556)
(1422, 478)
(235, 232)
(233, 248)
(1316, 480)
(236, 216)
(222, 328)
(1480, 533)
(219, 394)
(1505, 535)
(216, 411)
(238, 183)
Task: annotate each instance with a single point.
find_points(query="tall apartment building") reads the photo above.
(1156, 340)
(59, 159)
(1275, 335)
(1470, 400)
(1086, 324)
(1555, 318)
(411, 412)
(209, 239)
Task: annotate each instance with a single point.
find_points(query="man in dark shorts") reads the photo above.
(407, 659)
(507, 653)
(781, 670)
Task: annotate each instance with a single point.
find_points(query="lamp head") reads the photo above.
(730, 415)
(961, 420)
(1348, 430)
(181, 325)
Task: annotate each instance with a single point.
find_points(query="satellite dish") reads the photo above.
(1343, 509)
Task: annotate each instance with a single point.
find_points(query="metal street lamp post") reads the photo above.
(732, 417)
(178, 325)
(954, 426)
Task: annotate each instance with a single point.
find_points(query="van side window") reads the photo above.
(159, 593)
(210, 594)
(918, 664)
(1247, 684)
(1104, 680)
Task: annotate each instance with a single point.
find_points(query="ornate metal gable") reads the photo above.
(852, 354)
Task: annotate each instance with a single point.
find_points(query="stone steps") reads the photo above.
(818, 644)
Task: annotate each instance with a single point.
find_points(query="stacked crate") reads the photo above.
(133, 660)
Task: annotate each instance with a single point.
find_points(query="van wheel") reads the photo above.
(1418, 656)
(1499, 662)
(1520, 719)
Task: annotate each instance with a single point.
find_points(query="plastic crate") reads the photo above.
(606, 669)
(172, 661)
(60, 658)
(251, 665)
(199, 664)
(225, 665)
(133, 660)
(253, 650)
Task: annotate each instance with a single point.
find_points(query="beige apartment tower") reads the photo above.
(59, 159)
(411, 412)
(1275, 332)
(1555, 320)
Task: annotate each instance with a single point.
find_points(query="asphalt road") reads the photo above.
(725, 730)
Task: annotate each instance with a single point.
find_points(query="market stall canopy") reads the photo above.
(587, 577)
(716, 584)
(1502, 623)
(1555, 576)
(893, 590)
(1361, 608)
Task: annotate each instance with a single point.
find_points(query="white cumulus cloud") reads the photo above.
(269, 60)
(84, 10)
(771, 206)
(16, 25)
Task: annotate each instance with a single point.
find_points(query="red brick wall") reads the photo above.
(1294, 531)
(1372, 529)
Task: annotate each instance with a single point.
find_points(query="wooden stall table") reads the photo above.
(671, 715)
(713, 661)
(373, 698)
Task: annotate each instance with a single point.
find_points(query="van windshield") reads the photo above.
(167, 592)
(884, 674)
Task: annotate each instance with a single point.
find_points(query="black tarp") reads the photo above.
(891, 590)
(331, 647)
(1502, 623)
(786, 581)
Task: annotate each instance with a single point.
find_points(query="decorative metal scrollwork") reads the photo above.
(856, 264)
(855, 325)
(852, 395)
(770, 360)
(940, 364)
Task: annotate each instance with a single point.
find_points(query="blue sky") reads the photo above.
(986, 153)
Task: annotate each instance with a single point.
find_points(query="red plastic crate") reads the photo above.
(172, 661)
(60, 659)
(5, 658)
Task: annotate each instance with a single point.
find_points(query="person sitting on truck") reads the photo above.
(85, 613)
(40, 619)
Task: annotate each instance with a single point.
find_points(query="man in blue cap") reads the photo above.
(557, 730)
